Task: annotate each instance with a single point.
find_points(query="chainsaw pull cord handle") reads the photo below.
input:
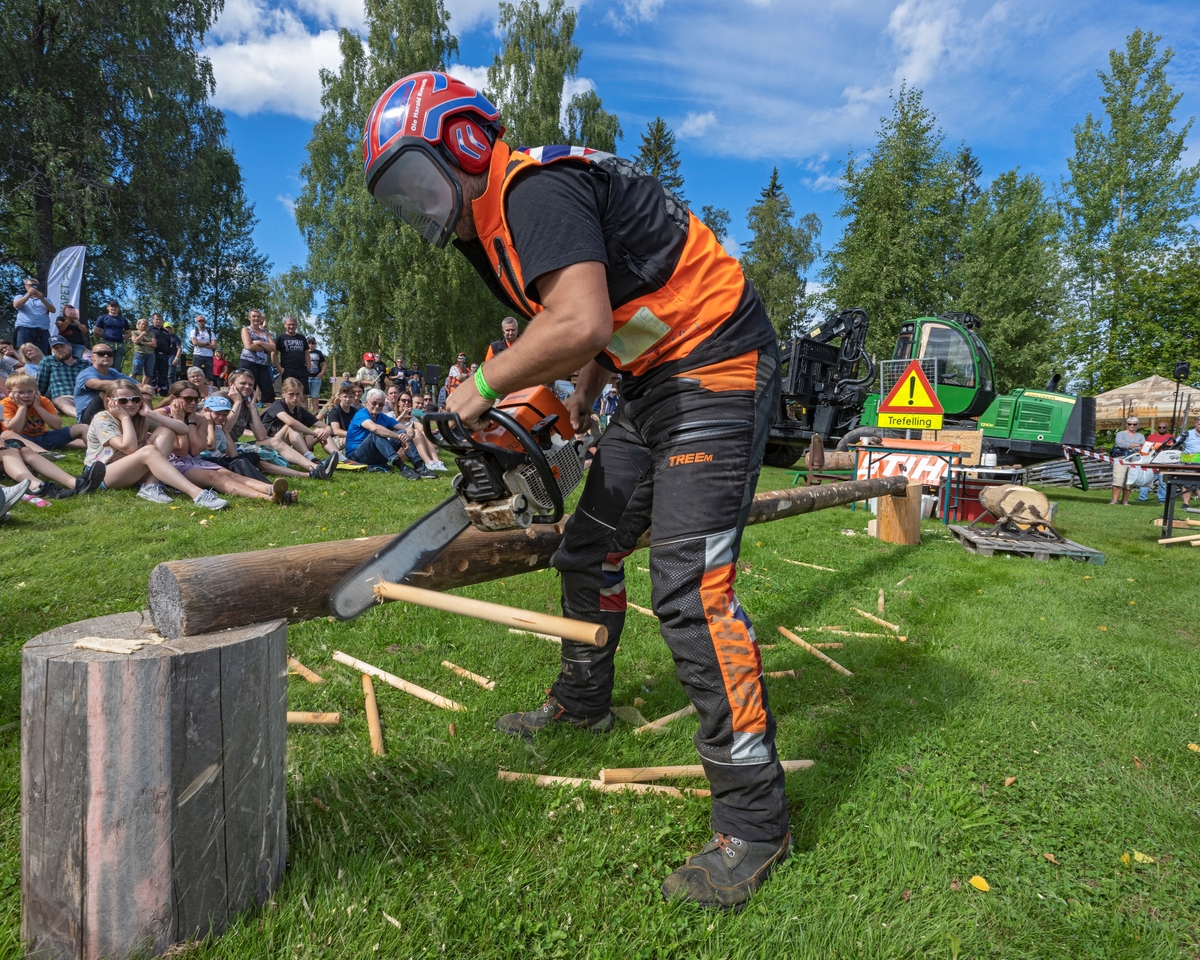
(453, 436)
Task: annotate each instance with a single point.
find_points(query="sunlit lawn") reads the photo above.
(1079, 681)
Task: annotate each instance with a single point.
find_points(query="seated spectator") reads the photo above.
(89, 380)
(10, 360)
(220, 367)
(1128, 441)
(422, 448)
(32, 354)
(117, 438)
(197, 379)
(244, 417)
(32, 416)
(373, 439)
(73, 330)
(338, 415)
(56, 376)
(223, 449)
(356, 394)
(22, 460)
(144, 341)
(290, 421)
(1158, 438)
(204, 472)
(1191, 444)
(11, 496)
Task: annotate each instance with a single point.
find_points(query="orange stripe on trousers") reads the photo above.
(737, 653)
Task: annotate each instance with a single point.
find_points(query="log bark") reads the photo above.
(211, 593)
(152, 785)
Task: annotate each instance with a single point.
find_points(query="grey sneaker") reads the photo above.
(154, 492)
(209, 501)
(527, 724)
(408, 473)
(726, 872)
(323, 469)
(11, 495)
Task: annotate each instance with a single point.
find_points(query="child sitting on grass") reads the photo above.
(28, 413)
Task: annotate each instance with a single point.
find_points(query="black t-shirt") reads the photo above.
(162, 339)
(339, 416)
(315, 359)
(272, 423)
(291, 349)
(557, 222)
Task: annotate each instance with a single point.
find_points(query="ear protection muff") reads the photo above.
(468, 144)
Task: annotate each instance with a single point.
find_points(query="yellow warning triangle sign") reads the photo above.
(911, 394)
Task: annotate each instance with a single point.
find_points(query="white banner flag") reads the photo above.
(66, 277)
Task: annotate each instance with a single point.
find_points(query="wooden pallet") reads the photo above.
(978, 541)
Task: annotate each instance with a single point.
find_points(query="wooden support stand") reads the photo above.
(900, 518)
(152, 785)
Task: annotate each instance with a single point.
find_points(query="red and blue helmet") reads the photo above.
(419, 129)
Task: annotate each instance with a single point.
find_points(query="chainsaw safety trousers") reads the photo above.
(682, 460)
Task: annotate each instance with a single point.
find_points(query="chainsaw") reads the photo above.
(513, 472)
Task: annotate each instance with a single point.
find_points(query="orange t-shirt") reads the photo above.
(35, 426)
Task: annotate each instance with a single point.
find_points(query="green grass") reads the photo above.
(1057, 673)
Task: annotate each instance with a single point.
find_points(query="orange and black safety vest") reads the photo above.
(679, 301)
(495, 347)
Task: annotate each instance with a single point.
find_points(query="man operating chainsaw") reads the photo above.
(616, 275)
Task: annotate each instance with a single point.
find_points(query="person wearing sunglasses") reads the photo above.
(1128, 441)
(184, 402)
(91, 378)
(134, 442)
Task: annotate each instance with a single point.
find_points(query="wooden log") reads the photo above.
(374, 728)
(781, 675)
(545, 780)
(393, 681)
(593, 634)
(879, 604)
(900, 518)
(814, 651)
(298, 668)
(468, 675)
(152, 785)
(1188, 539)
(319, 719)
(210, 593)
(663, 721)
(647, 774)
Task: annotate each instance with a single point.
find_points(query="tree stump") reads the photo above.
(152, 785)
(900, 518)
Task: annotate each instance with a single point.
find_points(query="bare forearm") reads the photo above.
(591, 380)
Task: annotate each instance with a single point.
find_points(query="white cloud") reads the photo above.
(472, 76)
(277, 73)
(696, 124)
(288, 202)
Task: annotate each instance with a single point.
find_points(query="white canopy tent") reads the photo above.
(1149, 399)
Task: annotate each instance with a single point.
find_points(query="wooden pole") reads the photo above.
(813, 650)
(322, 719)
(534, 633)
(374, 727)
(644, 774)
(875, 619)
(204, 594)
(468, 675)
(545, 780)
(393, 681)
(663, 721)
(593, 634)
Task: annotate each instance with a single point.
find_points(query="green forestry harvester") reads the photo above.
(828, 379)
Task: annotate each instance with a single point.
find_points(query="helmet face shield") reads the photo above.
(420, 189)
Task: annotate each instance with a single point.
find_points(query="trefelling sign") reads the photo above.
(912, 403)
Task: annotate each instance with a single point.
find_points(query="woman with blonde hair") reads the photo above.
(134, 443)
(144, 360)
(33, 358)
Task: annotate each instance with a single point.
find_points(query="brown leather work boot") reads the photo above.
(726, 872)
(527, 724)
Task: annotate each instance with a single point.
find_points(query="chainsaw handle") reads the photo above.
(461, 441)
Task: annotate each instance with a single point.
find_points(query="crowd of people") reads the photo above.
(194, 424)
(1131, 441)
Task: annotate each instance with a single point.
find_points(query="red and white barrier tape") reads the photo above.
(1093, 455)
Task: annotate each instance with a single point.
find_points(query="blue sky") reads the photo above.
(746, 84)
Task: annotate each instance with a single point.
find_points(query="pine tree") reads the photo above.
(1011, 277)
(903, 222)
(659, 158)
(1128, 195)
(778, 255)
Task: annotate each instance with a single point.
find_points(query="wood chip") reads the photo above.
(468, 675)
(814, 651)
(302, 671)
(879, 605)
(901, 583)
(811, 566)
